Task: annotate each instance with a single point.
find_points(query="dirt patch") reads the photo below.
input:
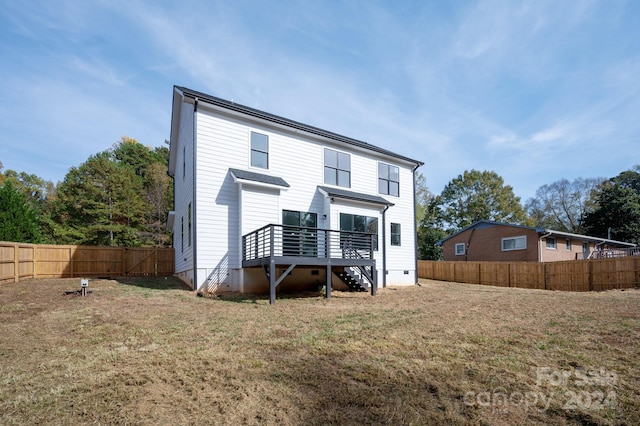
(147, 351)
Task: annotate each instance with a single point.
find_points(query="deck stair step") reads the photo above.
(351, 282)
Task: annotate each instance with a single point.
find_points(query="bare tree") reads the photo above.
(561, 206)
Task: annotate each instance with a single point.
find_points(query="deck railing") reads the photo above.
(297, 241)
(609, 253)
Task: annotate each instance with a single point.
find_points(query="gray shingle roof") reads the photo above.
(356, 196)
(259, 177)
(232, 106)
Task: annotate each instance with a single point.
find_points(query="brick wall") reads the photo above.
(486, 244)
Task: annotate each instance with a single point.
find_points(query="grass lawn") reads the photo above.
(147, 351)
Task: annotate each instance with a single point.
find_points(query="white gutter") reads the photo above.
(548, 234)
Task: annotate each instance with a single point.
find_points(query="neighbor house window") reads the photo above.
(357, 223)
(551, 243)
(259, 150)
(514, 243)
(395, 234)
(337, 168)
(388, 180)
(568, 244)
(460, 249)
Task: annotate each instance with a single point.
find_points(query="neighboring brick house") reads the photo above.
(494, 241)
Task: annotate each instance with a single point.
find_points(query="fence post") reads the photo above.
(155, 262)
(35, 261)
(71, 261)
(16, 263)
(544, 275)
(590, 277)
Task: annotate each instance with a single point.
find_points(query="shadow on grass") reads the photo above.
(155, 283)
(253, 298)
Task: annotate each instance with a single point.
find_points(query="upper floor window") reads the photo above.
(568, 244)
(460, 249)
(337, 168)
(388, 179)
(514, 243)
(259, 150)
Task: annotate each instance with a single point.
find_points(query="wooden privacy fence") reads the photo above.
(22, 261)
(579, 275)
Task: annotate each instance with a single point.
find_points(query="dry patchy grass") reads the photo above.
(149, 352)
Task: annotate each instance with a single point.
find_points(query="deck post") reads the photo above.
(272, 281)
(374, 286)
(328, 281)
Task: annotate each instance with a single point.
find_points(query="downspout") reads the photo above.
(384, 247)
(548, 234)
(194, 204)
(466, 249)
(415, 226)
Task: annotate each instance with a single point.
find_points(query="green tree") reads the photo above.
(475, 196)
(18, 220)
(428, 227)
(158, 189)
(617, 211)
(423, 197)
(562, 205)
(101, 202)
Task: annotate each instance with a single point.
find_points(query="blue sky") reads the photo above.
(536, 91)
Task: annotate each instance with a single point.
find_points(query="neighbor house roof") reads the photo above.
(232, 106)
(542, 231)
(355, 196)
(258, 177)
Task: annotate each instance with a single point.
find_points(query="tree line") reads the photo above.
(118, 197)
(599, 207)
(121, 196)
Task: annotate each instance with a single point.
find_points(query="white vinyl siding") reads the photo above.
(223, 211)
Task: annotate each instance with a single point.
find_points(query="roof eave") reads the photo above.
(291, 124)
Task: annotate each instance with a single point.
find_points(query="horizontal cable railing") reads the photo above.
(297, 241)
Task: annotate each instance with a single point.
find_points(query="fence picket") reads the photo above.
(23, 261)
(574, 275)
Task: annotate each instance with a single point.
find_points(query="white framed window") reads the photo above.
(388, 179)
(259, 150)
(550, 243)
(514, 243)
(337, 168)
(460, 249)
(395, 234)
(568, 244)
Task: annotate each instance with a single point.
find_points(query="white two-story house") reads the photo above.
(265, 202)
